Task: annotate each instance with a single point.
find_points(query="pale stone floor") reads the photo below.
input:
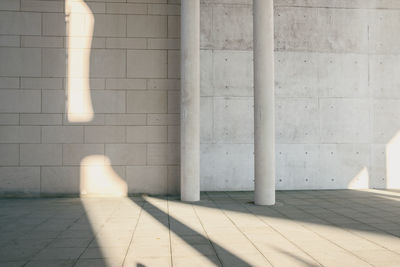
(305, 228)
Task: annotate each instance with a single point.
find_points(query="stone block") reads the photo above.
(126, 154)
(59, 180)
(147, 64)
(156, 26)
(20, 61)
(19, 134)
(62, 134)
(20, 23)
(147, 102)
(40, 154)
(104, 134)
(19, 180)
(146, 134)
(163, 154)
(9, 155)
(27, 101)
(147, 179)
(73, 154)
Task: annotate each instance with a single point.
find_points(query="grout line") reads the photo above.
(208, 237)
(277, 231)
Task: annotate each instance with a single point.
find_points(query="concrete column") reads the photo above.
(264, 102)
(190, 100)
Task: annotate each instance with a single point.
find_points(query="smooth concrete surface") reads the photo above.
(190, 100)
(304, 228)
(264, 102)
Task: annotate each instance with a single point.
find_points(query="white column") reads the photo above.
(190, 100)
(264, 102)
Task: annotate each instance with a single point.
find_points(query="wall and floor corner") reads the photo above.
(337, 97)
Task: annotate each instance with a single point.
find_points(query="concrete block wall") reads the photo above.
(134, 89)
(337, 96)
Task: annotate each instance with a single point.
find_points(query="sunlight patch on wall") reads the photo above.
(80, 23)
(97, 178)
(360, 181)
(393, 162)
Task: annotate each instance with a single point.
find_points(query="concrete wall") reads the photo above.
(337, 96)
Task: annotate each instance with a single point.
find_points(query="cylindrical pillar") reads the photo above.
(264, 102)
(190, 100)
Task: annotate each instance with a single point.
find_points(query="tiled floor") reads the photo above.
(305, 228)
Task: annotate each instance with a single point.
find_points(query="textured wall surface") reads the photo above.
(337, 95)
(134, 90)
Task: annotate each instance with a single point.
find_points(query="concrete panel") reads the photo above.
(345, 120)
(206, 26)
(383, 37)
(206, 119)
(16, 180)
(233, 73)
(40, 154)
(20, 62)
(20, 23)
(297, 166)
(147, 64)
(126, 154)
(301, 74)
(28, 101)
(227, 167)
(147, 179)
(385, 120)
(321, 29)
(384, 78)
(345, 165)
(378, 168)
(297, 120)
(59, 180)
(206, 73)
(233, 120)
(232, 27)
(19, 134)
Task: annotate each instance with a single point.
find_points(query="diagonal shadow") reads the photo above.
(190, 232)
